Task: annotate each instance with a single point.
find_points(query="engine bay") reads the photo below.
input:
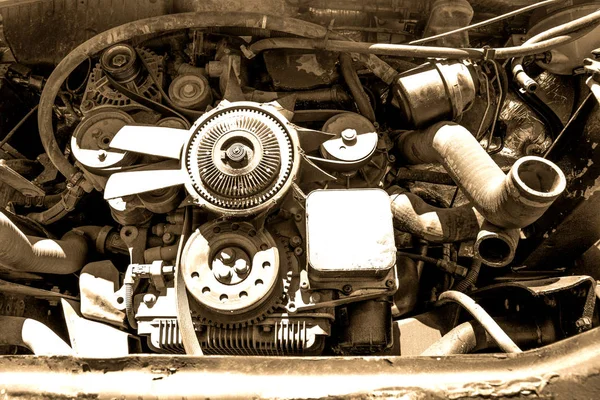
(378, 178)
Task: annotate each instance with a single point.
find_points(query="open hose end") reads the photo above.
(495, 246)
(537, 180)
(249, 54)
(523, 80)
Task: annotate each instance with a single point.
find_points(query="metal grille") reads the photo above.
(283, 339)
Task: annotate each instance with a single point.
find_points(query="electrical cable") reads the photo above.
(14, 130)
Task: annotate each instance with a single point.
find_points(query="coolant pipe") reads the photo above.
(494, 246)
(508, 201)
(471, 336)
(32, 334)
(34, 254)
(505, 343)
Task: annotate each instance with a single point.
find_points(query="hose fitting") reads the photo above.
(495, 246)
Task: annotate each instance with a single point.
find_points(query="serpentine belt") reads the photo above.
(184, 318)
(171, 110)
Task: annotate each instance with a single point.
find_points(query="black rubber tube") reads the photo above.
(166, 23)
(358, 93)
(40, 255)
(471, 277)
(507, 201)
(421, 175)
(434, 224)
(334, 94)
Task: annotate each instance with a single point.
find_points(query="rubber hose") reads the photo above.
(160, 253)
(358, 93)
(40, 255)
(471, 336)
(129, 312)
(51, 215)
(434, 224)
(549, 118)
(32, 334)
(69, 199)
(104, 239)
(421, 175)
(581, 24)
(505, 343)
(335, 94)
(471, 277)
(494, 246)
(508, 201)
(165, 23)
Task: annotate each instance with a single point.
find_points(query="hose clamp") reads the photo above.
(489, 54)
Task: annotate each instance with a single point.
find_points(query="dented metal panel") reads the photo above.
(58, 26)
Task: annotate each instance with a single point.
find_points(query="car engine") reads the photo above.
(331, 178)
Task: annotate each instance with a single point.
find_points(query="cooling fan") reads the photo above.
(238, 159)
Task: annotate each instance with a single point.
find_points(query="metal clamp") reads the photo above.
(489, 54)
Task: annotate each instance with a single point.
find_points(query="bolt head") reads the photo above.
(149, 299)
(224, 273)
(188, 90)
(349, 135)
(119, 60)
(583, 322)
(296, 241)
(241, 267)
(227, 256)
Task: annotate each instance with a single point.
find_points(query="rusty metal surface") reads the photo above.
(572, 224)
(568, 369)
(273, 7)
(58, 26)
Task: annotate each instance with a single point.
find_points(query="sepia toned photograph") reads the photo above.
(299, 199)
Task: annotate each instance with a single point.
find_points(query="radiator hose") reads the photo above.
(507, 201)
(40, 255)
(494, 246)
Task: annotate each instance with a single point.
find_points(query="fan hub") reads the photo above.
(240, 157)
